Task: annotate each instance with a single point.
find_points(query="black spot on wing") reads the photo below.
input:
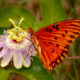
(50, 30)
(63, 35)
(70, 41)
(46, 29)
(52, 51)
(57, 45)
(55, 26)
(55, 38)
(72, 36)
(76, 32)
(64, 51)
(50, 42)
(66, 31)
(67, 47)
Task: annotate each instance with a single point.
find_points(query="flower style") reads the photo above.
(16, 45)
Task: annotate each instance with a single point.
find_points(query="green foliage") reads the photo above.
(52, 11)
(16, 13)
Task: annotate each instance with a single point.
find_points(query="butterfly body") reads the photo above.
(52, 42)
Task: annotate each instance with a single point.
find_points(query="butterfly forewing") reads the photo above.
(55, 40)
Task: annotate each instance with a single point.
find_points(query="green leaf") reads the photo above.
(16, 13)
(35, 72)
(52, 11)
(4, 74)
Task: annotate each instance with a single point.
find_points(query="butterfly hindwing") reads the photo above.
(55, 40)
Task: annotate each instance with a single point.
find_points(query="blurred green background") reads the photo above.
(37, 14)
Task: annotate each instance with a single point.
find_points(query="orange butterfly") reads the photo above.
(52, 42)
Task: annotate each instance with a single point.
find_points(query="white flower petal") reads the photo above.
(26, 62)
(3, 52)
(17, 59)
(1, 44)
(6, 59)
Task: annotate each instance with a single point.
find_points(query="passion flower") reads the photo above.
(16, 46)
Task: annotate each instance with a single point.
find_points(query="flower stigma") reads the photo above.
(17, 33)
